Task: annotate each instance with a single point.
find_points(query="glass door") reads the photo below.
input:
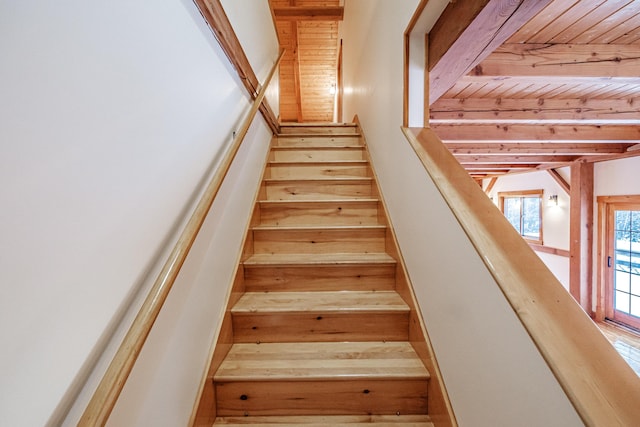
(623, 260)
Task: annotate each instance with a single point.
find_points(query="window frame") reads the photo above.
(523, 194)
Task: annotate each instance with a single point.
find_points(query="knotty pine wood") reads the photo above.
(321, 360)
(331, 302)
(318, 129)
(338, 140)
(320, 326)
(282, 170)
(508, 109)
(328, 212)
(329, 420)
(339, 188)
(305, 240)
(316, 154)
(328, 277)
(363, 397)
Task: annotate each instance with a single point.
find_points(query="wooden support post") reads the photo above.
(581, 234)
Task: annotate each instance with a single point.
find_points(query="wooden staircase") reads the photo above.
(322, 326)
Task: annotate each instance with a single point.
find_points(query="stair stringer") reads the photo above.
(440, 409)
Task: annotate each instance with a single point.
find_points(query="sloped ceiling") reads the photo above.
(308, 31)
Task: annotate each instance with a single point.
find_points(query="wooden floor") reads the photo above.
(627, 343)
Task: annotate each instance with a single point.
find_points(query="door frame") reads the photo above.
(604, 292)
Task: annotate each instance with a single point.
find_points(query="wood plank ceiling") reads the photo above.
(308, 31)
(564, 87)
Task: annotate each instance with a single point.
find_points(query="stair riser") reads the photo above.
(318, 141)
(358, 397)
(317, 190)
(320, 214)
(320, 278)
(318, 241)
(323, 130)
(316, 171)
(320, 326)
(317, 155)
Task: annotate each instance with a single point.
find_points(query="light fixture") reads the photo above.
(553, 200)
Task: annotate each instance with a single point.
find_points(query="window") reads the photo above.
(523, 210)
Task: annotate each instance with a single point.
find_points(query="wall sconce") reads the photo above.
(553, 200)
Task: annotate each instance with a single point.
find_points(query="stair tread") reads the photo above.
(340, 301)
(318, 227)
(317, 162)
(328, 420)
(318, 201)
(315, 135)
(322, 180)
(321, 361)
(319, 259)
(318, 148)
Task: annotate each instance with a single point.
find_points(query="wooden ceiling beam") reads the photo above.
(535, 109)
(467, 32)
(573, 148)
(514, 159)
(498, 166)
(309, 13)
(532, 133)
(564, 60)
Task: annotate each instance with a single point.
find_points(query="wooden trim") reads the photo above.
(427, 111)
(601, 279)
(296, 70)
(407, 36)
(604, 281)
(602, 387)
(416, 16)
(108, 391)
(560, 180)
(522, 193)
(213, 12)
(340, 85)
(549, 250)
(581, 234)
(405, 78)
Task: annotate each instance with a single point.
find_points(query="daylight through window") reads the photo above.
(523, 210)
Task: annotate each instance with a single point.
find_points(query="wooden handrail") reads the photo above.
(104, 398)
(603, 389)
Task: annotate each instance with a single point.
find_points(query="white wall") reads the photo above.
(494, 374)
(617, 177)
(111, 115)
(555, 219)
